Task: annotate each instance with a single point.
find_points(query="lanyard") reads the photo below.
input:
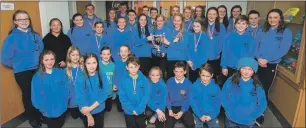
(76, 75)
(211, 33)
(196, 43)
(98, 42)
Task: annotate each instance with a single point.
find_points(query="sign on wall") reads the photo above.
(7, 6)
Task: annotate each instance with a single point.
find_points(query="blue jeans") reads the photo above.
(231, 124)
(213, 123)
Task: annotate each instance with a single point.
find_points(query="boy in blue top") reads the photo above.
(90, 17)
(205, 98)
(179, 89)
(254, 27)
(134, 94)
(122, 11)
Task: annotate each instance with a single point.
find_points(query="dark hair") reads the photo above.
(132, 60)
(14, 18)
(236, 81)
(131, 10)
(105, 48)
(88, 5)
(107, 21)
(217, 22)
(199, 20)
(253, 12)
(56, 19)
(146, 26)
(281, 27)
(225, 19)
(73, 18)
(207, 67)
(180, 64)
(99, 22)
(203, 11)
(42, 68)
(145, 6)
(125, 45)
(153, 9)
(242, 18)
(123, 4)
(91, 55)
(235, 6)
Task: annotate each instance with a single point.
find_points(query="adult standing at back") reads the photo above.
(90, 17)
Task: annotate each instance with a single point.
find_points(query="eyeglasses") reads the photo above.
(23, 20)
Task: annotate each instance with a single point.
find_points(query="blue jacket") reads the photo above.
(237, 46)
(162, 31)
(273, 46)
(231, 25)
(254, 31)
(141, 45)
(131, 101)
(158, 96)
(120, 71)
(96, 43)
(76, 73)
(130, 26)
(242, 104)
(178, 50)
(80, 38)
(216, 44)
(91, 22)
(21, 50)
(200, 55)
(178, 94)
(88, 92)
(109, 28)
(169, 23)
(118, 38)
(118, 14)
(205, 99)
(50, 92)
(188, 25)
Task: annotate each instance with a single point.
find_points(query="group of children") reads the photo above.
(121, 59)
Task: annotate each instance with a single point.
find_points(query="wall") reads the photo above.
(100, 10)
(229, 5)
(11, 103)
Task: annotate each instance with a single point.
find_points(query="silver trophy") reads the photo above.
(158, 41)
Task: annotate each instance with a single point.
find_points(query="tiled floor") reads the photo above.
(114, 119)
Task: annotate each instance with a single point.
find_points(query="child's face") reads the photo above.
(91, 65)
(160, 22)
(112, 14)
(236, 12)
(222, 12)
(56, 26)
(48, 61)
(177, 21)
(75, 56)
(179, 73)
(274, 19)
(106, 55)
(254, 19)
(132, 68)
(241, 26)
(187, 14)
(124, 52)
(99, 28)
(246, 72)
(142, 21)
(90, 10)
(212, 15)
(175, 11)
(132, 16)
(197, 27)
(155, 76)
(123, 9)
(121, 23)
(205, 76)
(154, 13)
(22, 20)
(78, 21)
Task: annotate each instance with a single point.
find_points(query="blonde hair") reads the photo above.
(69, 63)
(158, 69)
(181, 26)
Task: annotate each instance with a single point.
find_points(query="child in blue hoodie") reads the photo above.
(254, 27)
(238, 44)
(175, 10)
(155, 110)
(91, 93)
(74, 68)
(242, 96)
(108, 67)
(235, 12)
(179, 89)
(134, 94)
(205, 99)
(188, 19)
(132, 20)
(90, 18)
(20, 51)
(50, 91)
(79, 34)
(110, 24)
(98, 39)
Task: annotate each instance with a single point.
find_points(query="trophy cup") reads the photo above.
(158, 42)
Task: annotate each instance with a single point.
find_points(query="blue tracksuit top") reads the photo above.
(273, 46)
(237, 46)
(120, 71)
(118, 38)
(141, 45)
(21, 50)
(188, 25)
(88, 91)
(131, 101)
(76, 73)
(158, 96)
(231, 25)
(216, 44)
(130, 26)
(242, 104)
(178, 50)
(161, 31)
(50, 92)
(96, 43)
(254, 31)
(119, 15)
(200, 55)
(178, 94)
(169, 23)
(109, 28)
(205, 99)
(91, 22)
(80, 38)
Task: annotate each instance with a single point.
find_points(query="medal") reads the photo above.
(182, 92)
(76, 75)
(195, 49)
(98, 41)
(196, 43)
(211, 34)
(134, 92)
(134, 85)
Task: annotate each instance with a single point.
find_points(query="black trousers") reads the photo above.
(149, 113)
(193, 74)
(266, 77)
(133, 121)
(145, 65)
(74, 112)
(170, 68)
(108, 104)
(55, 122)
(98, 118)
(119, 106)
(24, 80)
(186, 118)
(215, 64)
(161, 63)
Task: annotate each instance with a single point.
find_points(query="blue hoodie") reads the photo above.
(200, 55)
(241, 103)
(162, 31)
(188, 25)
(273, 46)
(254, 31)
(216, 44)
(75, 73)
(131, 101)
(158, 96)
(91, 22)
(120, 71)
(130, 26)
(141, 45)
(231, 25)
(50, 92)
(205, 99)
(21, 50)
(80, 38)
(169, 23)
(237, 46)
(96, 43)
(109, 28)
(118, 38)
(178, 50)
(88, 92)
(178, 94)
(118, 14)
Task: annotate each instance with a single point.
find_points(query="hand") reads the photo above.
(225, 72)
(161, 115)
(62, 64)
(262, 62)
(190, 64)
(176, 40)
(90, 120)
(178, 115)
(262, 65)
(152, 120)
(85, 110)
(171, 113)
(150, 38)
(165, 41)
(208, 118)
(134, 113)
(203, 118)
(114, 88)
